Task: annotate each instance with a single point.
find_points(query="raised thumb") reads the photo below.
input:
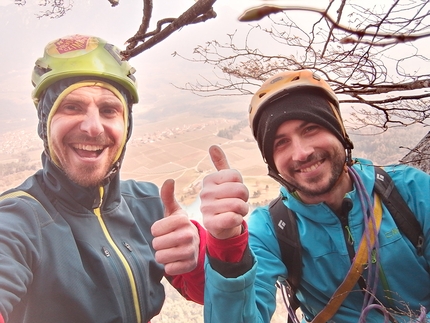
(167, 195)
(218, 158)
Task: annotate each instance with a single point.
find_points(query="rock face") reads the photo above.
(419, 157)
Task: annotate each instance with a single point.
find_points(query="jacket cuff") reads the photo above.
(232, 269)
(228, 250)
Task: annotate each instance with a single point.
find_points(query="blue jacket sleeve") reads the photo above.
(230, 299)
(250, 297)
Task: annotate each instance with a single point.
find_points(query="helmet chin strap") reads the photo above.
(277, 177)
(349, 161)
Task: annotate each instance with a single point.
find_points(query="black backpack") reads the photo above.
(284, 221)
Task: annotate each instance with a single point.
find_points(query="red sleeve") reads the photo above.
(1, 319)
(228, 250)
(191, 285)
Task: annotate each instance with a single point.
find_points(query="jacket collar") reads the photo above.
(77, 197)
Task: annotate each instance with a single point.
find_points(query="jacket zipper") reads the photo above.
(343, 217)
(127, 267)
(122, 287)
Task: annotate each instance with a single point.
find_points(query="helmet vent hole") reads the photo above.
(296, 78)
(261, 95)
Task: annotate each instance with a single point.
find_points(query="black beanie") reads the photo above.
(305, 103)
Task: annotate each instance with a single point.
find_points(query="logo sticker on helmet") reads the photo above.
(76, 45)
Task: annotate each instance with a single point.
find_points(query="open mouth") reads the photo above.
(88, 151)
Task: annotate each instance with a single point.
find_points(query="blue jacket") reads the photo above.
(72, 255)
(404, 280)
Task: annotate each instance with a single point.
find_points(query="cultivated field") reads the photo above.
(181, 153)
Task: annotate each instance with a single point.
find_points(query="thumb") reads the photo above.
(167, 194)
(218, 158)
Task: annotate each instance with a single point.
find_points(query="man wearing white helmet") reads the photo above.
(356, 264)
(77, 244)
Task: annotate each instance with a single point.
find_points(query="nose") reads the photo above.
(92, 123)
(301, 150)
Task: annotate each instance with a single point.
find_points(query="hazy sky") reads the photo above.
(24, 36)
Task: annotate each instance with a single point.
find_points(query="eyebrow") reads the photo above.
(71, 101)
(71, 97)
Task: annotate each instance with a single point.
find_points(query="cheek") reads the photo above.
(118, 131)
(61, 125)
(57, 131)
(279, 158)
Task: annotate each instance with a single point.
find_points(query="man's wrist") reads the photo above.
(228, 250)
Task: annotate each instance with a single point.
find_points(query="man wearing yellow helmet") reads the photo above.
(356, 264)
(77, 244)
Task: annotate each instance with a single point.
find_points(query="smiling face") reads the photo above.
(86, 134)
(309, 157)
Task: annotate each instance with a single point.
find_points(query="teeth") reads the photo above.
(87, 147)
(309, 169)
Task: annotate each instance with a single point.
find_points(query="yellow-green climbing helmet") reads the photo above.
(80, 55)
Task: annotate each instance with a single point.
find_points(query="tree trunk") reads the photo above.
(419, 156)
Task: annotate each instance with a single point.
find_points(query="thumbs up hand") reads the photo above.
(176, 238)
(223, 198)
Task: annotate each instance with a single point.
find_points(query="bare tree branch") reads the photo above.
(201, 11)
(258, 13)
(376, 81)
(55, 8)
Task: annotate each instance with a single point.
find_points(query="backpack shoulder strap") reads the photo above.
(399, 209)
(285, 224)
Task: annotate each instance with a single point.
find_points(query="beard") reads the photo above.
(318, 186)
(89, 176)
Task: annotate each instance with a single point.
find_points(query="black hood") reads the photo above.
(51, 94)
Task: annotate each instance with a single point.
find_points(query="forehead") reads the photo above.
(91, 91)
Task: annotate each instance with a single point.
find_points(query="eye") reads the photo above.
(111, 110)
(280, 142)
(69, 108)
(311, 128)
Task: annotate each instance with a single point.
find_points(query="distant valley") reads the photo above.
(177, 147)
